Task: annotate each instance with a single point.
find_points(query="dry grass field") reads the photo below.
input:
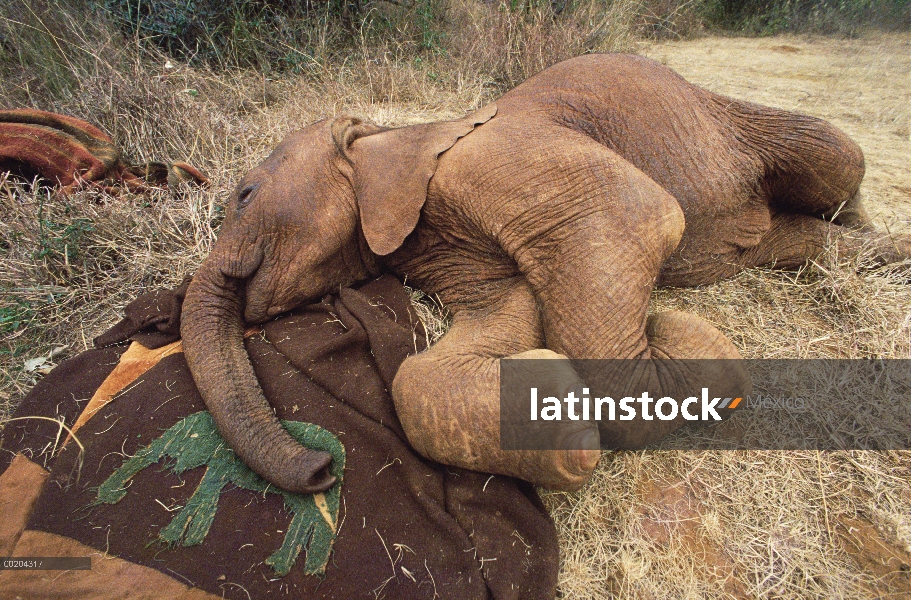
(669, 524)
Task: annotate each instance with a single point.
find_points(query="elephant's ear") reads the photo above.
(391, 169)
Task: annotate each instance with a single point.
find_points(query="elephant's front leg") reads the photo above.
(593, 276)
(448, 398)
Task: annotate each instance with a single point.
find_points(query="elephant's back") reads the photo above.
(595, 71)
(678, 134)
(652, 117)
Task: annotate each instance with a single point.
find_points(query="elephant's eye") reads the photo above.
(246, 195)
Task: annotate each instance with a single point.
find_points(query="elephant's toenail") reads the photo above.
(582, 451)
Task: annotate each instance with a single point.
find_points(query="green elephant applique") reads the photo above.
(194, 442)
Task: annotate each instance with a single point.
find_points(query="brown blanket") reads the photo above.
(72, 154)
(166, 511)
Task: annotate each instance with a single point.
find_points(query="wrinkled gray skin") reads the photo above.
(543, 221)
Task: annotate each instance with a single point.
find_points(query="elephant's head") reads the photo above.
(314, 216)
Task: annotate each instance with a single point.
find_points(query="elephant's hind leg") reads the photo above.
(813, 176)
(810, 166)
(794, 239)
(448, 398)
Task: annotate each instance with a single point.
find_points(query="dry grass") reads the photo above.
(650, 524)
(737, 524)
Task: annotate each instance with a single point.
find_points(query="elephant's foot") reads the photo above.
(685, 354)
(884, 248)
(448, 399)
(450, 410)
(850, 214)
(877, 249)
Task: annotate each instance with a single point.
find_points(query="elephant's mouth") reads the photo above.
(257, 312)
(263, 305)
(274, 311)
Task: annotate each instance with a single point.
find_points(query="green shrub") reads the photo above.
(822, 16)
(247, 33)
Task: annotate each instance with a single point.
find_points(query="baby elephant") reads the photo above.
(543, 221)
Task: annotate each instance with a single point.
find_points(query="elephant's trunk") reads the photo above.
(212, 331)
